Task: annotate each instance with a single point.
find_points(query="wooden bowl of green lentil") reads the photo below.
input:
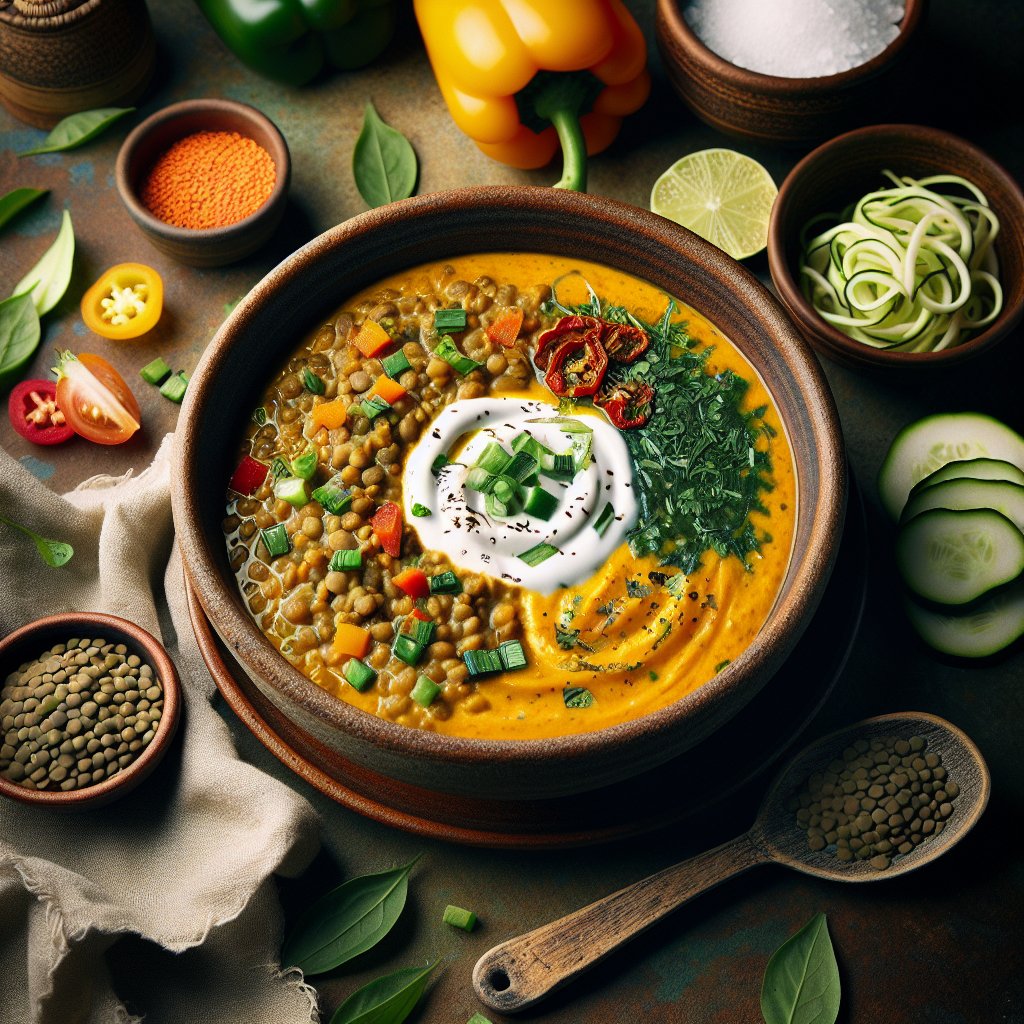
(89, 704)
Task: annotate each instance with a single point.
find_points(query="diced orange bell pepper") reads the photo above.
(372, 339)
(329, 414)
(351, 641)
(504, 329)
(390, 390)
(413, 582)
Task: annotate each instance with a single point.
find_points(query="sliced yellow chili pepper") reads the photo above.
(125, 302)
(521, 77)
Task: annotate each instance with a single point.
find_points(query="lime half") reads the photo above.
(722, 196)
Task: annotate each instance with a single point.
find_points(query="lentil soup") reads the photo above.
(455, 510)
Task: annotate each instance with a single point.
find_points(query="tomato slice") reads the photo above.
(35, 414)
(95, 399)
(125, 302)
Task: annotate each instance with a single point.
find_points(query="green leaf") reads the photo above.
(79, 129)
(388, 1000)
(801, 982)
(50, 277)
(16, 201)
(384, 163)
(347, 921)
(19, 335)
(54, 553)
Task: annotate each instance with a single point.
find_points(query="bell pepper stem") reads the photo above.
(562, 99)
(574, 149)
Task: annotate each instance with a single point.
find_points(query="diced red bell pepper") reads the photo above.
(248, 476)
(504, 329)
(575, 326)
(577, 366)
(418, 613)
(627, 405)
(625, 343)
(387, 524)
(413, 582)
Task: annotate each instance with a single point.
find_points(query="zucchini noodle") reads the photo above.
(911, 267)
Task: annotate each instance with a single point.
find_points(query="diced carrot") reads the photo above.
(413, 582)
(329, 414)
(353, 641)
(390, 390)
(387, 524)
(504, 329)
(372, 339)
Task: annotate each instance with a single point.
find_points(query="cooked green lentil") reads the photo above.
(877, 802)
(76, 715)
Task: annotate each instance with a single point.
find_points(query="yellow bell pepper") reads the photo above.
(521, 77)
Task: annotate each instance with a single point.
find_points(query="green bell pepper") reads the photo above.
(292, 40)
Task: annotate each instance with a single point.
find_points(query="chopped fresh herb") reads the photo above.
(396, 364)
(676, 585)
(304, 465)
(275, 540)
(279, 468)
(312, 382)
(174, 387)
(577, 697)
(458, 917)
(721, 665)
(333, 495)
(259, 415)
(359, 674)
(449, 319)
(420, 511)
(539, 553)
(512, 655)
(373, 406)
(566, 638)
(346, 560)
(440, 461)
(641, 590)
(445, 583)
(449, 352)
(425, 691)
(653, 676)
(158, 371)
(604, 520)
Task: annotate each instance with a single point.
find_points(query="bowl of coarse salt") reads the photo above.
(785, 71)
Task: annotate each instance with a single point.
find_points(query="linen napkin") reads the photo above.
(185, 860)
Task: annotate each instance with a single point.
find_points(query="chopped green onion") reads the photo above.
(304, 466)
(496, 508)
(279, 468)
(523, 464)
(440, 461)
(406, 649)
(396, 364)
(482, 663)
(346, 560)
(458, 917)
(449, 352)
(577, 697)
(512, 655)
(494, 458)
(425, 691)
(259, 415)
(276, 540)
(525, 442)
(293, 490)
(450, 319)
(539, 553)
(506, 490)
(479, 1018)
(158, 371)
(582, 445)
(373, 406)
(445, 583)
(423, 632)
(420, 511)
(560, 467)
(174, 387)
(604, 520)
(359, 674)
(313, 382)
(334, 496)
(540, 503)
(478, 479)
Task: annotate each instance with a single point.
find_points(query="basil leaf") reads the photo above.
(16, 201)
(54, 553)
(50, 277)
(347, 921)
(801, 982)
(19, 335)
(79, 129)
(384, 163)
(388, 1000)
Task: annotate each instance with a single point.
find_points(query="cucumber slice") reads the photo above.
(953, 557)
(987, 628)
(974, 469)
(1006, 499)
(930, 443)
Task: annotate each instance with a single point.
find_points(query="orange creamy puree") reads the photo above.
(649, 650)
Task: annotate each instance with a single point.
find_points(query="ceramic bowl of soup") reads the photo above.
(509, 492)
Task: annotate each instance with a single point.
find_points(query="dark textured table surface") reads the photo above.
(941, 946)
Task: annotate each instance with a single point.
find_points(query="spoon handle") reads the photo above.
(522, 971)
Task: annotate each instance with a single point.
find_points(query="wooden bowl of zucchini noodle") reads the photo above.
(899, 246)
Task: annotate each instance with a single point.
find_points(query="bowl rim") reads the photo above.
(254, 651)
(156, 654)
(674, 24)
(830, 338)
(278, 151)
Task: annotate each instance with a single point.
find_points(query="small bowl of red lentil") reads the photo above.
(205, 180)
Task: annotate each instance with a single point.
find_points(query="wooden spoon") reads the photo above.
(520, 972)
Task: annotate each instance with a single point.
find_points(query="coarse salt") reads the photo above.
(795, 38)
